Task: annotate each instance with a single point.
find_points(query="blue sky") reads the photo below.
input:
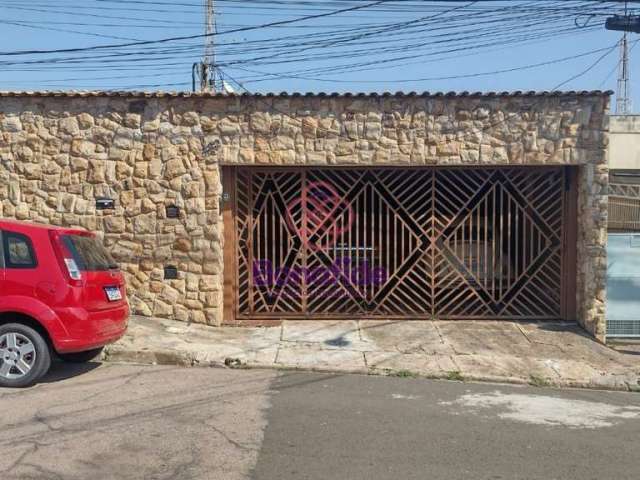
(38, 24)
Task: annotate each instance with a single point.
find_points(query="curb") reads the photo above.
(187, 359)
(155, 357)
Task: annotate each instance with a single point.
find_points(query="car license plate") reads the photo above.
(113, 293)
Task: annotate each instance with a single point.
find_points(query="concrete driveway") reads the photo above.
(152, 422)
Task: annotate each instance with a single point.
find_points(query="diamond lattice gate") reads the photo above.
(406, 243)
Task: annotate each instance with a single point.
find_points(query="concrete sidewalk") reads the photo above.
(538, 353)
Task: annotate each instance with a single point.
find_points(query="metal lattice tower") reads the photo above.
(205, 74)
(623, 96)
(209, 59)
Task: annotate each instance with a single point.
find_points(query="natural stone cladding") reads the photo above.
(59, 152)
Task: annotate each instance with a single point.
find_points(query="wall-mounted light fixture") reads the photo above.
(172, 211)
(104, 203)
(170, 273)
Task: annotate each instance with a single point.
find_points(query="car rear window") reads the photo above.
(18, 251)
(89, 253)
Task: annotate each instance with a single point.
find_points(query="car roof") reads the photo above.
(24, 226)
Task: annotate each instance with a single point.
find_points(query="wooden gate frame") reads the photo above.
(228, 204)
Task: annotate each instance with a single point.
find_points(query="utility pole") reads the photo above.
(624, 23)
(623, 98)
(209, 60)
(205, 74)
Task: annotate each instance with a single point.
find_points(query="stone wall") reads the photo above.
(59, 152)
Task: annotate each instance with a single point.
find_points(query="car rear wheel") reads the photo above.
(81, 357)
(24, 356)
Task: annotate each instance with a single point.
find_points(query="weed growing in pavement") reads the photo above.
(538, 381)
(402, 374)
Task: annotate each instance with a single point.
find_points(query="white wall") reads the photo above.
(624, 142)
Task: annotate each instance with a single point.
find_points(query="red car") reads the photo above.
(60, 293)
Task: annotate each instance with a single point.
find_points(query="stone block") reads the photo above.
(69, 125)
(11, 124)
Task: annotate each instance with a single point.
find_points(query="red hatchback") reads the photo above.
(60, 292)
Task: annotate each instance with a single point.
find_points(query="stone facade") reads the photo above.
(59, 152)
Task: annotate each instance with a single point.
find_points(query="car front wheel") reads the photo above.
(24, 356)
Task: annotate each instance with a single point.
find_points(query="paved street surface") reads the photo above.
(374, 428)
(148, 422)
(133, 422)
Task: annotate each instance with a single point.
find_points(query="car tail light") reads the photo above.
(72, 269)
(67, 262)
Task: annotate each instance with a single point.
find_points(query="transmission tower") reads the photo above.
(623, 97)
(205, 75)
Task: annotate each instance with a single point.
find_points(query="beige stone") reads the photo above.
(11, 124)
(114, 224)
(144, 224)
(148, 151)
(82, 148)
(228, 128)
(132, 120)
(22, 212)
(85, 121)
(174, 168)
(147, 206)
(208, 124)
(198, 316)
(260, 122)
(162, 309)
(182, 244)
(69, 125)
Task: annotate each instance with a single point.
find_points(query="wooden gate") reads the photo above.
(399, 243)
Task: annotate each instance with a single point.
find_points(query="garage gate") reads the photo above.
(459, 243)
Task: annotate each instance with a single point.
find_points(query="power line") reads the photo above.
(54, 29)
(320, 44)
(447, 77)
(616, 66)
(589, 68)
(190, 37)
(440, 31)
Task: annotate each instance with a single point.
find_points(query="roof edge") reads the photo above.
(184, 94)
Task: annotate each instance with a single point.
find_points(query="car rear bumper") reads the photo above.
(91, 329)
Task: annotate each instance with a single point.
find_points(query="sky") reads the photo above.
(401, 45)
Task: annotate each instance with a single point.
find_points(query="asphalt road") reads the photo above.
(374, 428)
(135, 422)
